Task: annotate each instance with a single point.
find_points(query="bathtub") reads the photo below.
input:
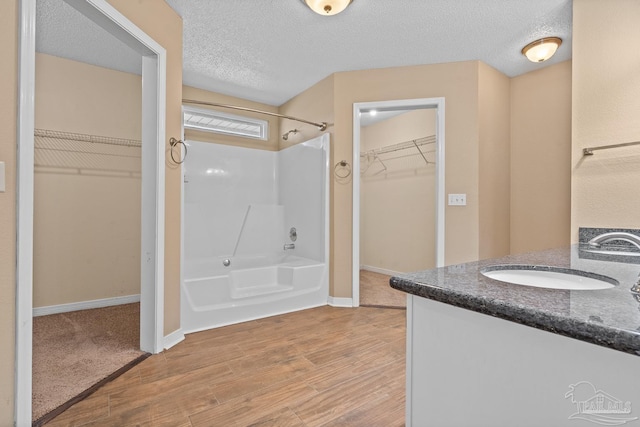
(251, 287)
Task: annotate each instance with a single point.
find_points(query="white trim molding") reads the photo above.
(380, 270)
(85, 305)
(409, 361)
(408, 104)
(340, 302)
(24, 214)
(173, 338)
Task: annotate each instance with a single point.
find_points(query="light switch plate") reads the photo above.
(457, 199)
(2, 178)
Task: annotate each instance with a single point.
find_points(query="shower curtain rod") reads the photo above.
(321, 126)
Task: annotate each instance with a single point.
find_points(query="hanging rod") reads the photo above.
(321, 126)
(589, 150)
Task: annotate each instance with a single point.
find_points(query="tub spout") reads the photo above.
(289, 246)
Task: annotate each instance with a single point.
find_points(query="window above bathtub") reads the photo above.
(224, 123)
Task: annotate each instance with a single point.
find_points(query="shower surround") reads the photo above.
(240, 206)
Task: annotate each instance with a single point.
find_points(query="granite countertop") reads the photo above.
(606, 317)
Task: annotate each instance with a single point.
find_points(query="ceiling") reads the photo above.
(63, 31)
(271, 50)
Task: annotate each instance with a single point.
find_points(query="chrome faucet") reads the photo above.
(597, 241)
(289, 246)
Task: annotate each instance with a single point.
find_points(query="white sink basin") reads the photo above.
(548, 277)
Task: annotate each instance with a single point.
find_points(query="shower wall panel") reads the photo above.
(230, 201)
(244, 201)
(301, 172)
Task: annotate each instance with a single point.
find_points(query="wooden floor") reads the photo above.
(320, 367)
(376, 292)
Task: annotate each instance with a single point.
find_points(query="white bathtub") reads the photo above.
(249, 288)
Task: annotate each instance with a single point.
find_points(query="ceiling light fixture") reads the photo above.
(542, 49)
(327, 7)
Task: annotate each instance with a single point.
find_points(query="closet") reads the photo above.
(397, 195)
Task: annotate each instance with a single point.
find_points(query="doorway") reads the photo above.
(153, 164)
(372, 165)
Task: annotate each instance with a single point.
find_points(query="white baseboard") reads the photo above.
(173, 338)
(380, 270)
(85, 305)
(340, 302)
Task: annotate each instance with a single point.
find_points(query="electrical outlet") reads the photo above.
(457, 199)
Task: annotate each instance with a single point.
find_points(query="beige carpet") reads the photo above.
(376, 292)
(74, 351)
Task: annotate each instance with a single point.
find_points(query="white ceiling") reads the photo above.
(271, 50)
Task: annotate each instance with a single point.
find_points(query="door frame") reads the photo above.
(154, 59)
(410, 104)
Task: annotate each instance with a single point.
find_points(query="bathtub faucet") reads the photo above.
(289, 246)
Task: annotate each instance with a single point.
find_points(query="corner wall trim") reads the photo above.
(85, 305)
(340, 302)
(173, 338)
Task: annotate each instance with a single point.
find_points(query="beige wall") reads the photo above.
(86, 196)
(398, 240)
(494, 187)
(606, 110)
(8, 116)
(541, 158)
(489, 135)
(271, 144)
(75, 97)
(162, 24)
(315, 104)
(458, 83)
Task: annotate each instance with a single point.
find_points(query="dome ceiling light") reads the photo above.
(327, 7)
(542, 49)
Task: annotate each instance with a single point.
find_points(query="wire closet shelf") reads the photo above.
(83, 153)
(380, 160)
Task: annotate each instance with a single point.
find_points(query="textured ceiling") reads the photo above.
(63, 31)
(271, 50)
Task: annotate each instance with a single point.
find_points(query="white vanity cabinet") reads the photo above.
(470, 369)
